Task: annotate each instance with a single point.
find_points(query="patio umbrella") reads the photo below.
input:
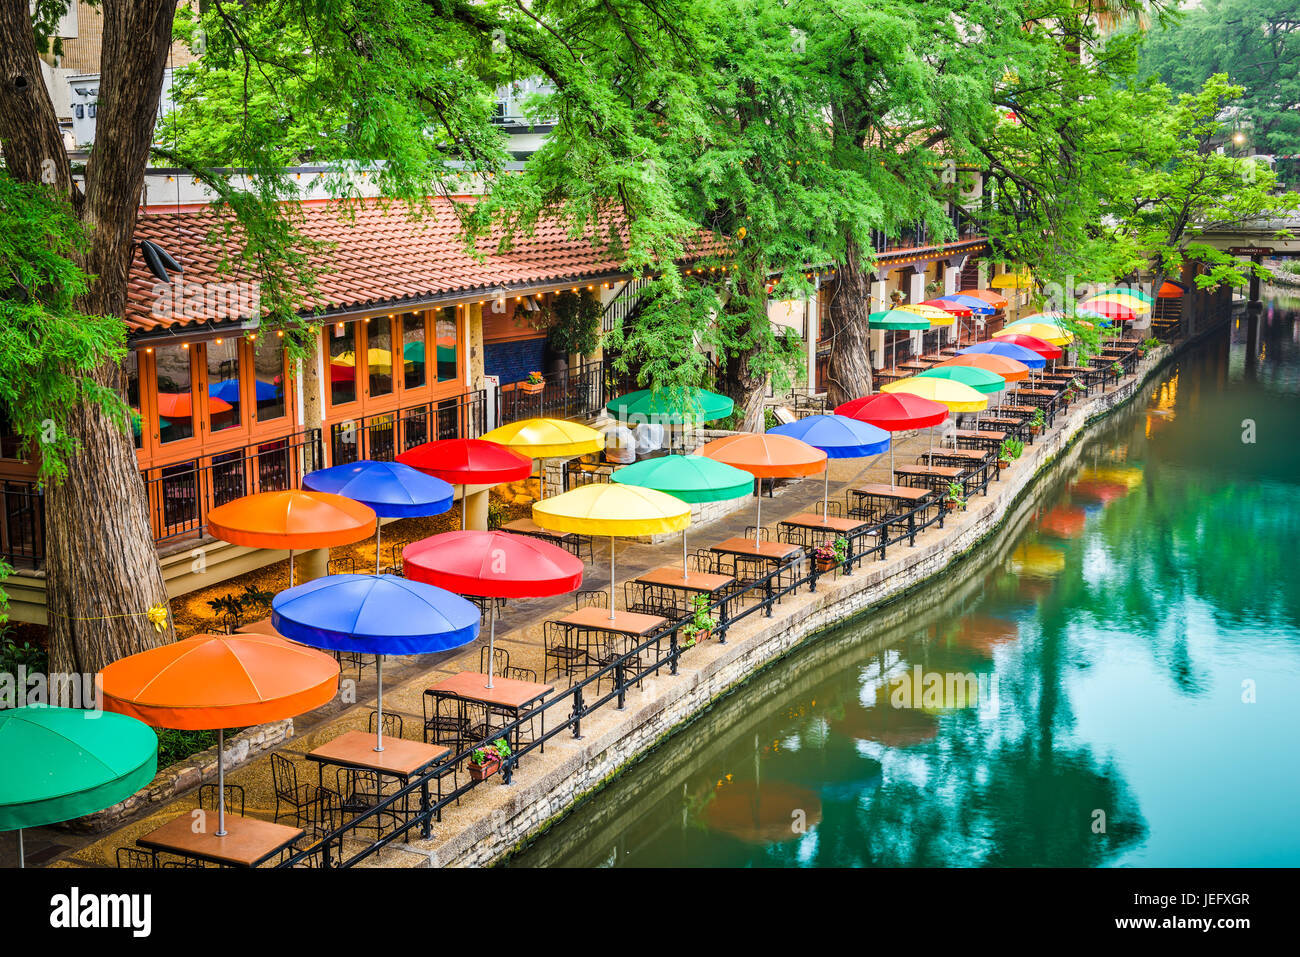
(957, 396)
(492, 565)
(1007, 350)
(228, 390)
(1013, 280)
(1044, 349)
(953, 308)
(766, 456)
(1118, 311)
(937, 316)
(180, 405)
(1011, 370)
(391, 489)
(374, 614)
(839, 436)
(1135, 291)
(1170, 290)
(896, 320)
(292, 519)
(608, 508)
(674, 406)
(467, 462)
(894, 413)
(691, 478)
(547, 438)
(214, 682)
(57, 764)
(981, 380)
(994, 299)
(1133, 301)
(1048, 332)
(977, 306)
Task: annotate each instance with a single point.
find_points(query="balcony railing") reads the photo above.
(576, 393)
(22, 524)
(384, 436)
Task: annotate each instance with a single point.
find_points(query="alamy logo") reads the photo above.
(76, 910)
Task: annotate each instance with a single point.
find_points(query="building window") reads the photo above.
(379, 355)
(343, 362)
(413, 358)
(224, 391)
(448, 343)
(268, 377)
(175, 393)
(10, 444)
(131, 392)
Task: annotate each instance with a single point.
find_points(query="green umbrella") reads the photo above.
(1134, 291)
(57, 764)
(674, 406)
(691, 478)
(981, 380)
(894, 320)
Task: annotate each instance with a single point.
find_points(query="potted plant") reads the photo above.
(486, 761)
(1012, 449)
(701, 624)
(897, 296)
(534, 383)
(1147, 346)
(1037, 421)
(953, 499)
(829, 554)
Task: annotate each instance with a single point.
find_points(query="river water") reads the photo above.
(1111, 682)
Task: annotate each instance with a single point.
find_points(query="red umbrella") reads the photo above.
(1111, 310)
(956, 308)
(1045, 349)
(180, 405)
(492, 565)
(894, 412)
(468, 462)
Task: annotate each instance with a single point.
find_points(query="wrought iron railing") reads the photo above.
(22, 524)
(385, 435)
(579, 392)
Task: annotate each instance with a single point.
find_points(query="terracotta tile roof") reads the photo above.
(380, 258)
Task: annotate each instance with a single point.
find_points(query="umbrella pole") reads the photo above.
(611, 578)
(379, 530)
(826, 489)
(22, 862)
(464, 503)
(379, 720)
(758, 527)
(686, 572)
(221, 782)
(492, 638)
(291, 568)
(891, 463)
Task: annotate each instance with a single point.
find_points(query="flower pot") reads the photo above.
(532, 388)
(481, 772)
(1035, 430)
(825, 565)
(949, 506)
(1003, 463)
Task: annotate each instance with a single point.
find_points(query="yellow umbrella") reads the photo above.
(608, 508)
(1012, 280)
(957, 396)
(546, 439)
(1037, 561)
(1055, 335)
(937, 316)
(376, 358)
(1136, 303)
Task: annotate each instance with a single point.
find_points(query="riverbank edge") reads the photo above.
(853, 598)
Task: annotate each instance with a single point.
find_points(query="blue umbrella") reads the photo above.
(228, 390)
(1007, 350)
(839, 437)
(393, 490)
(374, 614)
(977, 306)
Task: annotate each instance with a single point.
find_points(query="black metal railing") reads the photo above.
(579, 392)
(22, 524)
(385, 435)
(179, 496)
(625, 302)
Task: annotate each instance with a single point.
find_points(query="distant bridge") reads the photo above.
(1259, 234)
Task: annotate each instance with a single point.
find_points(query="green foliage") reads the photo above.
(700, 620)
(175, 745)
(1011, 449)
(50, 350)
(576, 320)
(233, 609)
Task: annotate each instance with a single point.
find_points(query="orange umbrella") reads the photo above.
(992, 297)
(292, 519)
(180, 405)
(1009, 369)
(765, 455)
(219, 681)
(1064, 521)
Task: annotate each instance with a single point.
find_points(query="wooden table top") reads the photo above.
(1072, 369)
(356, 749)
(979, 434)
(505, 692)
(671, 576)
(975, 455)
(632, 623)
(526, 526)
(904, 493)
(941, 471)
(1043, 392)
(247, 843)
(830, 523)
(915, 364)
(1021, 409)
(744, 545)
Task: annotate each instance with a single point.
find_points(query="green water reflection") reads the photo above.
(1110, 640)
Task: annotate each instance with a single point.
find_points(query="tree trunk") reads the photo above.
(747, 391)
(848, 374)
(312, 403)
(102, 569)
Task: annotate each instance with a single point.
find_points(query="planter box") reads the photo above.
(825, 565)
(481, 772)
(1003, 465)
(532, 388)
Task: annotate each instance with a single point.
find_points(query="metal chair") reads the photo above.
(561, 647)
(136, 857)
(590, 598)
(392, 724)
(500, 660)
(208, 798)
(284, 780)
(444, 722)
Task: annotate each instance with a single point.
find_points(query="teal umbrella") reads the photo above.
(671, 406)
(896, 320)
(691, 478)
(981, 380)
(57, 764)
